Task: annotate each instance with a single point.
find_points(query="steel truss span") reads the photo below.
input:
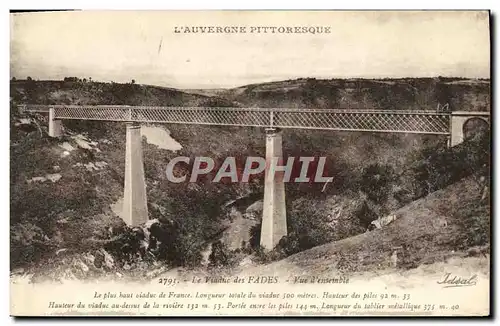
(404, 121)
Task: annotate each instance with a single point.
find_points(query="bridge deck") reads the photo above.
(424, 122)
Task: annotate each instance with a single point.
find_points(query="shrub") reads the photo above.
(290, 244)
(220, 255)
(254, 241)
(28, 242)
(437, 167)
(376, 182)
(474, 223)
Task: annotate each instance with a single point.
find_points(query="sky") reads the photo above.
(144, 45)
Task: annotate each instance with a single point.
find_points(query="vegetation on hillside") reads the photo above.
(429, 230)
(397, 94)
(79, 92)
(373, 174)
(312, 220)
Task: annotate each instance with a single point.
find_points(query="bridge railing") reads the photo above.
(404, 121)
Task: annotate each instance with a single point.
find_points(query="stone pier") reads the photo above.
(55, 126)
(457, 122)
(135, 204)
(274, 225)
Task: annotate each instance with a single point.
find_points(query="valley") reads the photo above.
(72, 227)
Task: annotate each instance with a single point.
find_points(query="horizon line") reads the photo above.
(206, 87)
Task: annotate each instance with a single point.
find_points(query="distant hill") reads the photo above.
(95, 93)
(208, 91)
(403, 93)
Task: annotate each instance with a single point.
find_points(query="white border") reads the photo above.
(254, 5)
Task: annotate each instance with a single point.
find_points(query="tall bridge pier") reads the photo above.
(274, 225)
(55, 125)
(135, 203)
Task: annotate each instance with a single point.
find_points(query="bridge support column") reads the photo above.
(55, 126)
(274, 225)
(135, 205)
(457, 122)
(457, 130)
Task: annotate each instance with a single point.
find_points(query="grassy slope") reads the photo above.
(432, 228)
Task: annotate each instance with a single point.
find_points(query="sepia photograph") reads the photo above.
(250, 163)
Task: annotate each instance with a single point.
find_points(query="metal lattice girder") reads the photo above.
(206, 116)
(364, 120)
(428, 122)
(103, 113)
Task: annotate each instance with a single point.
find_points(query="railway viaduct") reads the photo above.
(274, 224)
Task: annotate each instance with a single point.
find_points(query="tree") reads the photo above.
(29, 78)
(133, 81)
(13, 79)
(219, 255)
(376, 182)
